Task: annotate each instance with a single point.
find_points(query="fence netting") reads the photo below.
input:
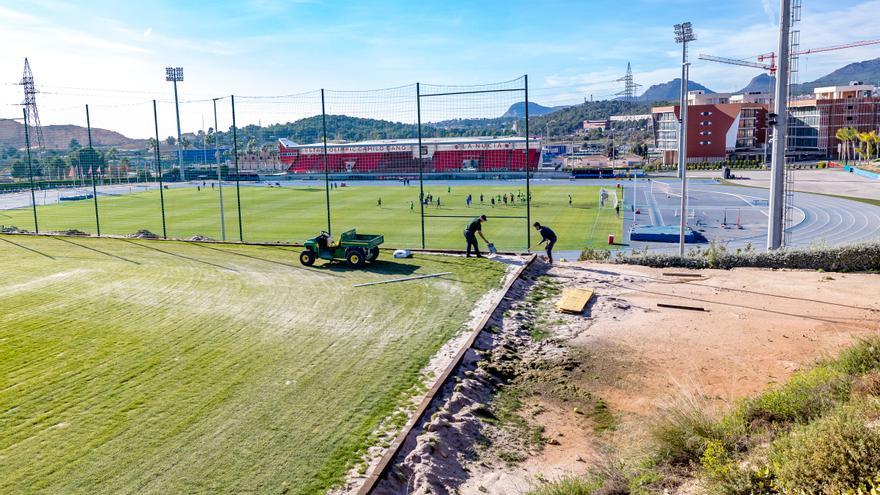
(276, 206)
(372, 162)
(415, 163)
(476, 135)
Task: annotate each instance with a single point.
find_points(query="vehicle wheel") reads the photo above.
(374, 253)
(307, 258)
(355, 258)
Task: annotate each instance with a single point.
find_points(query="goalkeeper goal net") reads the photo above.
(608, 198)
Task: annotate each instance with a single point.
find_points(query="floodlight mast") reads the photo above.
(684, 34)
(779, 125)
(175, 74)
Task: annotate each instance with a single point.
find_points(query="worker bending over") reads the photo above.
(470, 235)
(548, 236)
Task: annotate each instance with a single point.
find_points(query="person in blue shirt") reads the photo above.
(548, 236)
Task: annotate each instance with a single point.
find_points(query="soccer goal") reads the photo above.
(607, 198)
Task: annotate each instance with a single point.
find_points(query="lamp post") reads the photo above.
(175, 74)
(684, 33)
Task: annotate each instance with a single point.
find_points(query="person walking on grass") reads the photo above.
(473, 228)
(411, 206)
(379, 203)
(548, 236)
(481, 198)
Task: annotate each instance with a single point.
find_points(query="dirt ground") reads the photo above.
(758, 327)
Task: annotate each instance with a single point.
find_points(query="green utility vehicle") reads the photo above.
(356, 249)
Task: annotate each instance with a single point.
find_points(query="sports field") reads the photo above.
(131, 366)
(293, 214)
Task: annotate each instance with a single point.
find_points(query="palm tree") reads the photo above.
(842, 135)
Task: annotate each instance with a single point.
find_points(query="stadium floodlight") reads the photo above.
(175, 74)
(684, 34)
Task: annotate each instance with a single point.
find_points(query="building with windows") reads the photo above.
(723, 126)
(813, 122)
(717, 129)
(595, 124)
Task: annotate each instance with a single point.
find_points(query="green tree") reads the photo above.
(74, 145)
(90, 159)
(170, 140)
(19, 169)
(58, 167)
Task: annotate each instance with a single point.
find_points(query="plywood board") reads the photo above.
(574, 300)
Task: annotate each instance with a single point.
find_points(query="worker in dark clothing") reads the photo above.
(470, 234)
(548, 236)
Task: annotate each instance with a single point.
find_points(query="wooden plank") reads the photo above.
(574, 300)
(679, 306)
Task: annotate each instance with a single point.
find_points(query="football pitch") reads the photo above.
(134, 366)
(293, 214)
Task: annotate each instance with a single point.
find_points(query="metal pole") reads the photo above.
(682, 148)
(92, 168)
(219, 175)
(528, 172)
(777, 160)
(235, 160)
(27, 141)
(421, 164)
(159, 172)
(179, 150)
(326, 169)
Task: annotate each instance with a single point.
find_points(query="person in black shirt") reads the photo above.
(548, 236)
(470, 235)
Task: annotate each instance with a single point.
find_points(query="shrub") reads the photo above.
(852, 258)
(867, 385)
(683, 430)
(834, 454)
(724, 475)
(804, 397)
(860, 358)
(570, 485)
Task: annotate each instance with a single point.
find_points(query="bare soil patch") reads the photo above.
(592, 383)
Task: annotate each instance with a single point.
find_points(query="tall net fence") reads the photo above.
(373, 136)
(415, 163)
(494, 161)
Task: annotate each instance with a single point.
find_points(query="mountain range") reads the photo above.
(868, 71)
(58, 136)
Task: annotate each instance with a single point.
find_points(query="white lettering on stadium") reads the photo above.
(404, 148)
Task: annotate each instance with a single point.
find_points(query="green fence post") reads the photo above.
(421, 162)
(92, 169)
(528, 173)
(159, 172)
(235, 160)
(326, 167)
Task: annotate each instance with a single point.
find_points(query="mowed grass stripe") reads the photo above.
(293, 214)
(174, 376)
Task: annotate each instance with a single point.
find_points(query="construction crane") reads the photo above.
(771, 67)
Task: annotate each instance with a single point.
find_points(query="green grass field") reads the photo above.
(131, 366)
(292, 214)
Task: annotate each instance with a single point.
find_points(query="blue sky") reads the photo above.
(80, 50)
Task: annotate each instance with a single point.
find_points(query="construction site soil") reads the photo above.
(544, 394)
